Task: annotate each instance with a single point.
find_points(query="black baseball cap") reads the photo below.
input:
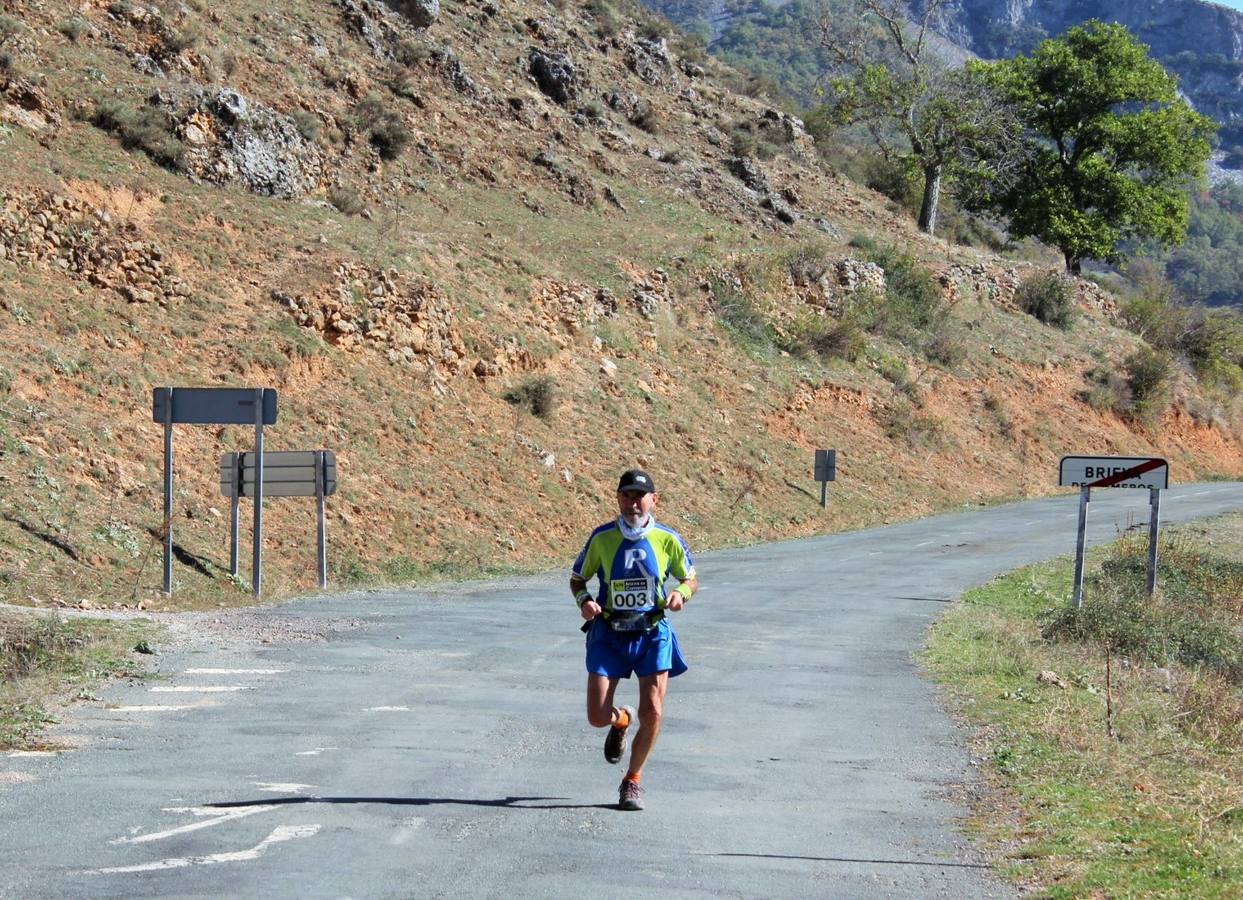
(636, 480)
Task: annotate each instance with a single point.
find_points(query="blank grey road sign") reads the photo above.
(826, 465)
(212, 406)
(1114, 471)
(286, 473)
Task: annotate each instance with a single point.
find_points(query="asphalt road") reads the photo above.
(437, 745)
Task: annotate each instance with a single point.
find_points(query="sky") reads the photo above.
(1233, 4)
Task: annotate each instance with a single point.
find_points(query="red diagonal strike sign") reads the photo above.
(1146, 466)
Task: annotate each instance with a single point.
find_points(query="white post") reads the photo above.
(1084, 493)
(1154, 524)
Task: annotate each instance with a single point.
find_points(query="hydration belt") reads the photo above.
(630, 622)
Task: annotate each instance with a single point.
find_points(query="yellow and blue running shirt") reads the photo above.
(632, 573)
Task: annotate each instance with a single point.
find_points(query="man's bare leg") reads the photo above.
(600, 709)
(651, 709)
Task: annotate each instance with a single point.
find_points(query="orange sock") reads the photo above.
(633, 776)
(623, 719)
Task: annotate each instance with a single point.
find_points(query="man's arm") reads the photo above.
(679, 595)
(586, 603)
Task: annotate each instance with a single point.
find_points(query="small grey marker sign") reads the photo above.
(826, 471)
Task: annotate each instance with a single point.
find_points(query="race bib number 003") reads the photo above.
(633, 593)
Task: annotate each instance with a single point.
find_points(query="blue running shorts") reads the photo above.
(616, 655)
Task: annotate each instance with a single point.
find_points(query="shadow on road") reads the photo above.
(846, 859)
(507, 802)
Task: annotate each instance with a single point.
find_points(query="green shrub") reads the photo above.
(538, 395)
(385, 129)
(307, 123)
(146, 128)
(902, 422)
(1049, 297)
(1107, 391)
(947, 347)
(10, 26)
(740, 316)
(73, 28)
(1149, 373)
(346, 200)
(411, 53)
(1213, 343)
(834, 340)
(913, 298)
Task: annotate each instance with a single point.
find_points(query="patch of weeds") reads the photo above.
(902, 422)
(740, 317)
(647, 117)
(537, 395)
(832, 339)
(947, 347)
(608, 23)
(1149, 373)
(411, 53)
(307, 123)
(1107, 391)
(1049, 297)
(10, 26)
(807, 264)
(73, 28)
(303, 342)
(146, 128)
(346, 200)
(385, 129)
(913, 300)
(46, 658)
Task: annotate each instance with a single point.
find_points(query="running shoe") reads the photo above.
(629, 795)
(615, 741)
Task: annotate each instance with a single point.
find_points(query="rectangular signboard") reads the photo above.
(826, 465)
(1114, 471)
(286, 473)
(212, 406)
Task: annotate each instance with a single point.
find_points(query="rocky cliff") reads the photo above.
(1201, 42)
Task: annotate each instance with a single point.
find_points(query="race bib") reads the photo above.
(633, 593)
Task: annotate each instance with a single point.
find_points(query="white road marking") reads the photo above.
(217, 816)
(34, 753)
(282, 787)
(279, 835)
(234, 671)
(875, 553)
(925, 544)
(316, 752)
(387, 709)
(154, 708)
(204, 689)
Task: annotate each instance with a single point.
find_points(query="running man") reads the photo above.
(625, 621)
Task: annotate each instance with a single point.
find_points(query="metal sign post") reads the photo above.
(256, 567)
(1154, 524)
(206, 406)
(826, 471)
(168, 490)
(235, 515)
(320, 520)
(1087, 472)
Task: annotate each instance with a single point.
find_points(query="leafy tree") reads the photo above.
(945, 122)
(1111, 147)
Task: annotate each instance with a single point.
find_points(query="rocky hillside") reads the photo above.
(490, 253)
